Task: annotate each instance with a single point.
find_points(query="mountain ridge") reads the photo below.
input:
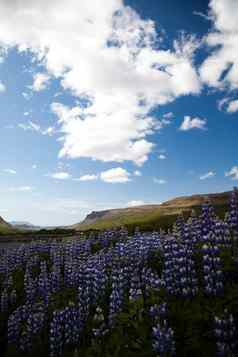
(24, 225)
(149, 213)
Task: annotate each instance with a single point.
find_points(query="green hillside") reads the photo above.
(5, 228)
(149, 217)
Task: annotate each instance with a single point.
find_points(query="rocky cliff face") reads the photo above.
(94, 215)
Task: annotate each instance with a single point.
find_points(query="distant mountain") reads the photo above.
(152, 216)
(26, 226)
(21, 225)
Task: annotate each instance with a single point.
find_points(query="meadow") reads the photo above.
(113, 293)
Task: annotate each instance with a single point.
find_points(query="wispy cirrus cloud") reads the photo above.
(2, 87)
(10, 171)
(60, 175)
(207, 175)
(21, 189)
(87, 177)
(32, 126)
(159, 181)
(4, 210)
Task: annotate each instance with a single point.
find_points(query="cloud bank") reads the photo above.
(111, 59)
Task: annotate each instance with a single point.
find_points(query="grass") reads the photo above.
(4, 229)
(160, 218)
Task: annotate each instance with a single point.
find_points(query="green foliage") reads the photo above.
(191, 318)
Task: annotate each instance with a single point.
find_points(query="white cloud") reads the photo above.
(26, 95)
(49, 131)
(222, 102)
(4, 210)
(87, 178)
(63, 165)
(60, 175)
(232, 106)
(10, 171)
(137, 173)
(135, 203)
(220, 69)
(201, 14)
(115, 175)
(162, 156)
(228, 104)
(159, 181)
(30, 126)
(37, 128)
(209, 174)
(192, 123)
(34, 166)
(22, 188)
(105, 138)
(2, 87)
(40, 82)
(111, 56)
(233, 173)
(169, 115)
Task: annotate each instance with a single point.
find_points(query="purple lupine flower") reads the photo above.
(163, 340)
(158, 312)
(56, 334)
(73, 324)
(29, 287)
(135, 291)
(213, 276)
(233, 213)
(4, 301)
(226, 335)
(13, 327)
(208, 219)
(179, 273)
(43, 283)
(116, 301)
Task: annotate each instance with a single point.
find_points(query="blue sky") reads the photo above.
(117, 105)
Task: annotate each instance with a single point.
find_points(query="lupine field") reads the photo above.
(110, 295)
